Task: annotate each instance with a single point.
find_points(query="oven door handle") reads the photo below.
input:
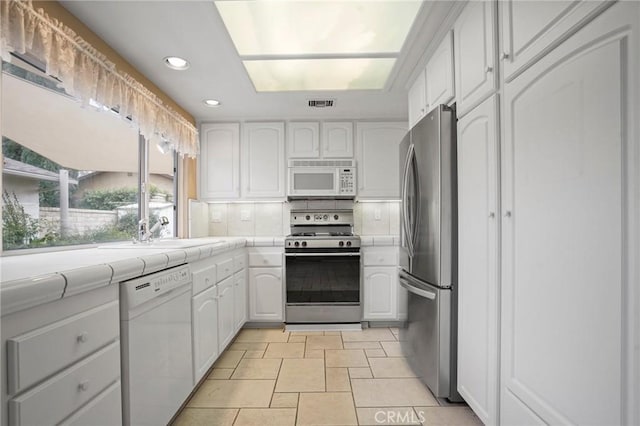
(323, 254)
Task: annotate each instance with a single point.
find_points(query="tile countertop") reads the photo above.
(379, 240)
(32, 279)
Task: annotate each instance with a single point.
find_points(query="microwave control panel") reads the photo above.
(347, 182)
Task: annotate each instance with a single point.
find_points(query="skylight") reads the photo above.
(318, 44)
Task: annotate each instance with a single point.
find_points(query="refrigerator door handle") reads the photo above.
(417, 195)
(405, 202)
(418, 291)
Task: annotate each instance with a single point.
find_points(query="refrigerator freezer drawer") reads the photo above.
(426, 338)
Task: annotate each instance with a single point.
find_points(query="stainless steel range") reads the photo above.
(322, 268)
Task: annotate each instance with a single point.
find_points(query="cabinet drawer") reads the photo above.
(380, 258)
(103, 410)
(55, 399)
(63, 342)
(239, 262)
(265, 259)
(204, 279)
(224, 269)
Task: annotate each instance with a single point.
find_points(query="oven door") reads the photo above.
(323, 287)
(316, 181)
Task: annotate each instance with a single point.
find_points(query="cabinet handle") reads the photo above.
(488, 70)
(492, 215)
(507, 213)
(82, 337)
(83, 386)
(504, 56)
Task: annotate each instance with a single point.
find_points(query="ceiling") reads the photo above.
(145, 32)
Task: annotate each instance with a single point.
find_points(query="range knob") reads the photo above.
(341, 243)
(304, 244)
(348, 243)
(307, 217)
(297, 243)
(336, 217)
(325, 217)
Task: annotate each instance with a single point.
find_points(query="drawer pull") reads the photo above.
(83, 386)
(83, 337)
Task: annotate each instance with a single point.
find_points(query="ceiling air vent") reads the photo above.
(320, 103)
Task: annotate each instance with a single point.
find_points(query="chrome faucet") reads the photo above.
(144, 234)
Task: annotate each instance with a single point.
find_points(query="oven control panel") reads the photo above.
(322, 217)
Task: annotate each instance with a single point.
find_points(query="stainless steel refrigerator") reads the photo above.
(428, 266)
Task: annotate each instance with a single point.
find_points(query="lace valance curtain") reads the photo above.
(87, 74)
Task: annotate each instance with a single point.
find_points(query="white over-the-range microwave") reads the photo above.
(322, 178)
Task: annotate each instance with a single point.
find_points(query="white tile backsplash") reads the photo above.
(241, 219)
(375, 218)
(268, 219)
(218, 222)
(272, 219)
(394, 218)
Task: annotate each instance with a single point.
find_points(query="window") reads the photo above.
(70, 172)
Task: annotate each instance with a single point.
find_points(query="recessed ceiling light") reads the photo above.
(212, 102)
(176, 63)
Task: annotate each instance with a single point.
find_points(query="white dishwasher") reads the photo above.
(157, 371)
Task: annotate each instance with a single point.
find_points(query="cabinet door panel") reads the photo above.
(226, 329)
(337, 139)
(265, 294)
(475, 69)
(477, 260)
(219, 161)
(378, 154)
(531, 28)
(380, 293)
(205, 332)
(439, 74)
(417, 100)
(263, 167)
(564, 230)
(303, 140)
(240, 299)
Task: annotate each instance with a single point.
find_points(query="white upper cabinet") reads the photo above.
(439, 74)
(531, 28)
(569, 228)
(303, 140)
(337, 139)
(377, 153)
(478, 296)
(219, 161)
(263, 160)
(474, 52)
(417, 100)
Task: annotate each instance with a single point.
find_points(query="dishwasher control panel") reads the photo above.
(143, 289)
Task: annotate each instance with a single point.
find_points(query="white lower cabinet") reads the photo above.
(478, 289)
(265, 297)
(240, 299)
(62, 360)
(266, 290)
(226, 303)
(381, 290)
(205, 331)
(380, 293)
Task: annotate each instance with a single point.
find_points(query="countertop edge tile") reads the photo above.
(26, 293)
(87, 278)
(126, 269)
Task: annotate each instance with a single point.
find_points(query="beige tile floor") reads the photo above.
(272, 377)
